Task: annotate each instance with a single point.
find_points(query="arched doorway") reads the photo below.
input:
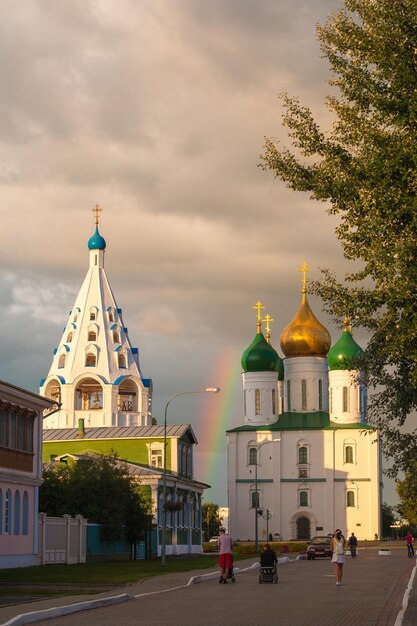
(303, 528)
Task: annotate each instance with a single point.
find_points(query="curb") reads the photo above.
(59, 611)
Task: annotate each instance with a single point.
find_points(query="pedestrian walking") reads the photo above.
(338, 548)
(410, 548)
(225, 555)
(353, 544)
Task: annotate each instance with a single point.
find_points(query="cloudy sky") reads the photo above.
(157, 110)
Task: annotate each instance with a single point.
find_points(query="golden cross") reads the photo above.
(268, 319)
(258, 306)
(304, 269)
(96, 211)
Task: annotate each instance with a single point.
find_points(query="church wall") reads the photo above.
(310, 369)
(338, 380)
(328, 480)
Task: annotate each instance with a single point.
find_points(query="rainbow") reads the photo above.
(220, 415)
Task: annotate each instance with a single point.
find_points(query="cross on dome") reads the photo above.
(258, 306)
(96, 211)
(304, 269)
(268, 319)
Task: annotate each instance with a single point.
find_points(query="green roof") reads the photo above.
(315, 420)
(260, 356)
(344, 350)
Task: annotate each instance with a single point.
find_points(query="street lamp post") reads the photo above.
(256, 490)
(164, 473)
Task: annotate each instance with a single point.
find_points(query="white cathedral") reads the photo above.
(305, 455)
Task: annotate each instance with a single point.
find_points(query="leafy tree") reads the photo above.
(365, 168)
(101, 489)
(211, 521)
(407, 492)
(388, 518)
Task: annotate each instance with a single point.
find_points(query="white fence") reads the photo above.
(62, 539)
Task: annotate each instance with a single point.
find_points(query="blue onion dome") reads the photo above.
(96, 241)
(260, 356)
(344, 350)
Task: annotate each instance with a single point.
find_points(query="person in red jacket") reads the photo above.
(410, 548)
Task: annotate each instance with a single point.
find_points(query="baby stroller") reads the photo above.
(267, 570)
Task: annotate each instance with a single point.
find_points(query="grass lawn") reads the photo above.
(106, 573)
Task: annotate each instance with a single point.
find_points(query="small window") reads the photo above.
(90, 359)
(257, 401)
(8, 512)
(304, 395)
(253, 456)
(61, 361)
(302, 472)
(16, 525)
(303, 498)
(75, 318)
(255, 500)
(350, 498)
(69, 338)
(157, 458)
(116, 336)
(92, 335)
(320, 395)
(274, 402)
(111, 316)
(349, 454)
(25, 514)
(121, 360)
(288, 395)
(93, 314)
(302, 455)
(345, 400)
(331, 400)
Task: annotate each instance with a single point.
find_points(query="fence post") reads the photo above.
(68, 537)
(42, 519)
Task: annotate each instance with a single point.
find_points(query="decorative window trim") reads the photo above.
(349, 443)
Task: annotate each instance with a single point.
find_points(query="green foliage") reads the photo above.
(407, 492)
(99, 488)
(388, 516)
(365, 168)
(211, 521)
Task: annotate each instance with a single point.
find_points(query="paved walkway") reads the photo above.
(372, 594)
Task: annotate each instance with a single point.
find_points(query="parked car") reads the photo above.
(319, 546)
(214, 539)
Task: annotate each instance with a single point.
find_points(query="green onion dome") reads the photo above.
(343, 351)
(260, 356)
(96, 241)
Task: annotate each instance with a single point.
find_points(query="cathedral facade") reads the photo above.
(305, 461)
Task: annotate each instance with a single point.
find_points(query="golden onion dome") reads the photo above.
(305, 336)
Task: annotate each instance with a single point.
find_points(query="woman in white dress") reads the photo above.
(338, 548)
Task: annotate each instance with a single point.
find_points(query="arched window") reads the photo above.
(16, 529)
(69, 337)
(345, 400)
(121, 360)
(302, 455)
(304, 395)
(8, 513)
(350, 498)
(349, 454)
(25, 514)
(116, 336)
(288, 395)
(274, 402)
(255, 500)
(21, 431)
(111, 316)
(90, 359)
(4, 426)
(253, 456)
(257, 401)
(331, 400)
(93, 314)
(92, 335)
(61, 361)
(320, 395)
(303, 498)
(75, 318)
